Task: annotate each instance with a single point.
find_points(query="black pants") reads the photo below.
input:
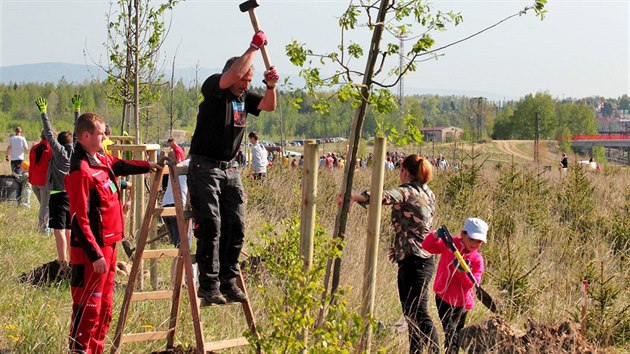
(15, 165)
(216, 197)
(453, 319)
(414, 276)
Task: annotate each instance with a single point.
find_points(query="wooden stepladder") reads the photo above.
(184, 262)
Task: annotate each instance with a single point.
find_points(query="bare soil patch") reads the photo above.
(49, 273)
(495, 335)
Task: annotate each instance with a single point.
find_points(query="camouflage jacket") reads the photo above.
(413, 207)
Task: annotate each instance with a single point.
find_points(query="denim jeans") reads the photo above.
(216, 197)
(414, 276)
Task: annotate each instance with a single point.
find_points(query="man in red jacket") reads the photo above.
(179, 152)
(38, 159)
(97, 224)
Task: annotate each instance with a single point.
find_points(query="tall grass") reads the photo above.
(547, 233)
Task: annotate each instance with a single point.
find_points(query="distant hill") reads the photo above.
(50, 72)
(79, 73)
(75, 73)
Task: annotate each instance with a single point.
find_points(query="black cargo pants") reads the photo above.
(216, 197)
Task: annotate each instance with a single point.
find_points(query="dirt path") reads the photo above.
(509, 147)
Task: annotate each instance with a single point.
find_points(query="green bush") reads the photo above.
(293, 297)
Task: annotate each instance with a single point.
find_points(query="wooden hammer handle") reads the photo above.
(263, 49)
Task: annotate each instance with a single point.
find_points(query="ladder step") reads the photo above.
(152, 295)
(170, 211)
(160, 253)
(143, 337)
(204, 303)
(226, 343)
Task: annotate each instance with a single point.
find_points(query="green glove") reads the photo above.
(42, 104)
(76, 102)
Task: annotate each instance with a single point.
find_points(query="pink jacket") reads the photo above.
(452, 286)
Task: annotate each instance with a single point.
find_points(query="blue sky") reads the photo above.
(579, 50)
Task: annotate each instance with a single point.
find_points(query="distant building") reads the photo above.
(441, 134)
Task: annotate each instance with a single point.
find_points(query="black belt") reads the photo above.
(223, 165)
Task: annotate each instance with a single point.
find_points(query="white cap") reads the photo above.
(476, 229)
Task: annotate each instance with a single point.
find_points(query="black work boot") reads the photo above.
(212, 295)
(233, 292)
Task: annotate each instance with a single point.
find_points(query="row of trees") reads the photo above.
(297, 118)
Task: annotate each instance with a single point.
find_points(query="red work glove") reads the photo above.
(258, 40)
(271, 76)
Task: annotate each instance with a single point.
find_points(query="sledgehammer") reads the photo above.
(249, 6)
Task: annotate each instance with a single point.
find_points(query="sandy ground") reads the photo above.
(509, 147)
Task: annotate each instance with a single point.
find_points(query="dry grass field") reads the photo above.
(548, 232)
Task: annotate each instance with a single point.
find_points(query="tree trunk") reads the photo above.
(136, 73)
(355, 135)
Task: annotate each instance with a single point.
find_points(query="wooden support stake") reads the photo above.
(153, 268)
(371, 248)
(307, 217)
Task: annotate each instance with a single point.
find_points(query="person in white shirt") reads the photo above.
(259, 157)
(389, 165)
(442, 164)
(15, 150)
(169, 200)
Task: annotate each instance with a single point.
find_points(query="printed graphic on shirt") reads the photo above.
(240, 116)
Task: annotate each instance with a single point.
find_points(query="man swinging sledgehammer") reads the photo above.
(214, 182)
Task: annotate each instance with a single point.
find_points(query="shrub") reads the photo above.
(293, 297)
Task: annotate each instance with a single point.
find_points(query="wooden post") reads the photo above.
(138, 206)
(307, 213)
(138, 151)
(153, 269)
(371, 248)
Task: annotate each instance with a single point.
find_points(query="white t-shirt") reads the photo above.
(18, 145)
(259, 158)
(168, 194)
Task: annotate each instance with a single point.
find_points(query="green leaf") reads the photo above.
(355, 50)
(296, 53)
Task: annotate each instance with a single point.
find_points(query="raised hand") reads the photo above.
(42, 104)
(76, 102)
(271, 77)
(258, 40)
(440, 233)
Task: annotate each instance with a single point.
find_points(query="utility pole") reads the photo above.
(536, 137)
(479, 117)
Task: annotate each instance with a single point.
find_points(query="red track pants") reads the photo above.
(92, 300)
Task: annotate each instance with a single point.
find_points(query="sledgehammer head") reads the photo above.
(248, 5)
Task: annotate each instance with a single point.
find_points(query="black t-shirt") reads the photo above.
(221, 120)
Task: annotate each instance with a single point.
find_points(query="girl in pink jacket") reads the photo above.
(454, 291)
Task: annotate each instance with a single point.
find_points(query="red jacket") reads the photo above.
(179, 153)
(38, 160)
(95, 208)
(452, 286)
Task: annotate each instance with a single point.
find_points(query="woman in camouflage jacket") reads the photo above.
(413, 207)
